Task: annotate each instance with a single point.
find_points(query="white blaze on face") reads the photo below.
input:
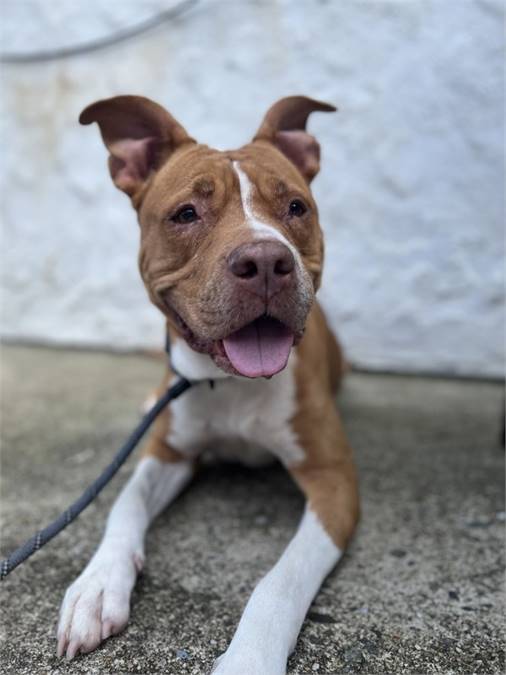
(262, 230)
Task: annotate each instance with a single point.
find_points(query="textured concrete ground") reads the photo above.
(420, 590)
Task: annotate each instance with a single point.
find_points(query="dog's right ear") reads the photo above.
(139, 134)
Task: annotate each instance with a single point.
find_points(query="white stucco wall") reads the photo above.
(410, 194)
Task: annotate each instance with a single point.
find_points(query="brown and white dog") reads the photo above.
(231, 253)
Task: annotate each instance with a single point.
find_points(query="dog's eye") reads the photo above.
(186, 214)
(297, 208)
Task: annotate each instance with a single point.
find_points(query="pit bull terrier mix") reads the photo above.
(231, 253)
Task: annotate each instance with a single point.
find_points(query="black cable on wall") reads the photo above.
(100, 43)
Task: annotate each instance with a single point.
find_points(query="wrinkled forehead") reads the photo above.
(197, 170)
(202, 172)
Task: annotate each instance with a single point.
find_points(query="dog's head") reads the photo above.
(231, 248)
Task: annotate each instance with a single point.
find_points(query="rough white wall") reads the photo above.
(411, 191)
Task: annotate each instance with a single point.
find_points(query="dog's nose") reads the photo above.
(263, 267)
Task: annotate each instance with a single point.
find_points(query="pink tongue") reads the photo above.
(260, 349)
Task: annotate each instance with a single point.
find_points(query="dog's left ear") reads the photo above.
(284, 126)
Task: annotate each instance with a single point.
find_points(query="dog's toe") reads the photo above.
(81, 628)
(96, 606)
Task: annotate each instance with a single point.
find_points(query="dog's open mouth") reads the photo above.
(259, 349)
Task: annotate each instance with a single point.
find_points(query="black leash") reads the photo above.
(43, 536)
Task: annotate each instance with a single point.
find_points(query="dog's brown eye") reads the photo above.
(186, 214)
(297, 208)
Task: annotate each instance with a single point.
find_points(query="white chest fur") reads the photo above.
(241, 419)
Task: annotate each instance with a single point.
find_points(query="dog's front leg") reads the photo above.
(271, 622)
(274, 614)
(97, 604)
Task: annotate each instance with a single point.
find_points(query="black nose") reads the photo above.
(263, 267)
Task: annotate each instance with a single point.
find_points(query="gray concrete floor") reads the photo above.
(420, 590)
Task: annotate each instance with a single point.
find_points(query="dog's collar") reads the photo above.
(175, 370)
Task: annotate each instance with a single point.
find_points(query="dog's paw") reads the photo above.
(97, 604)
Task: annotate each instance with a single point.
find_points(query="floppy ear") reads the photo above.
(139, 134)
(284, 126)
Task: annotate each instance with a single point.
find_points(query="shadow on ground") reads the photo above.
(420, 590)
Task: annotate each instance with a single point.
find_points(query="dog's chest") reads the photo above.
(239, 419)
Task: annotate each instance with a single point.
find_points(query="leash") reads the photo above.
(43, 536)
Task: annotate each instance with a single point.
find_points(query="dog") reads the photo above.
(231, 252)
